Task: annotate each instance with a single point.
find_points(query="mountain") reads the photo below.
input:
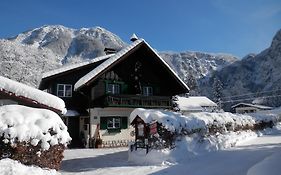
(85, 43)
(26, 56)
(258, 74)
(191, 66)
(25, 63)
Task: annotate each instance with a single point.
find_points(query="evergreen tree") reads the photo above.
(217, 91)
(192, 84)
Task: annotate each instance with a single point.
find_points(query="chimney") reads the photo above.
(109, 51)
(134, 37)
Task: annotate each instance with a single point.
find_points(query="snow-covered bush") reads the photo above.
(172, 125)
(32, 136)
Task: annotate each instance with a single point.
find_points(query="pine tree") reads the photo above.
(192, 84)
(217, 91)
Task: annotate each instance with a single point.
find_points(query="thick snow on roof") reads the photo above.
(71, 113)
(74, 66)
(194, 103)
(88, 77)
(32, 125)
(82, 81)
(252, 105)
(266, 115)
(36, 96)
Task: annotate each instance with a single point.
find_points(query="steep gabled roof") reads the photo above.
(34, 97)
(252, 105)
(91, 76)
(74, 66)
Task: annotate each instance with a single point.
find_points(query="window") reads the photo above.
(147, 91)
(113, 123)
(113, 88)
(64, 90)
(140, 130)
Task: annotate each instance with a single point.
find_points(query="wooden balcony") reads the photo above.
(138, 101)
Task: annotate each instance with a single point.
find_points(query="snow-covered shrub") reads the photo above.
(32, 136)
(172, 125)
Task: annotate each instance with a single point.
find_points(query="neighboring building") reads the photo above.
(102, 93)
(195, 104)
(13, 92)
(249, 108)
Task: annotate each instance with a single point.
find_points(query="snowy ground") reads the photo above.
(102, 161)
(258, 156)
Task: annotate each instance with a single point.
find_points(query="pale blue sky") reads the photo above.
(237, 27)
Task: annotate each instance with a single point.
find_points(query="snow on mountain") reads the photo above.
(196, 64)
(25, 56)
(25, 63)
(86, 43)
(253, 74)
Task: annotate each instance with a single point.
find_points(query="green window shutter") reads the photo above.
(103, 123)
(124, 122)
(124, 88)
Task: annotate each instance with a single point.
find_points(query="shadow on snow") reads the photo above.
(117, 159)
(233, 161)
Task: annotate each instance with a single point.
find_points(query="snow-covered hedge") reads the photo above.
(21, 123)
(32, 136)
(202, 121)
(198, 133)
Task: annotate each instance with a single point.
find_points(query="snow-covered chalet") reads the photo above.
(101, 93)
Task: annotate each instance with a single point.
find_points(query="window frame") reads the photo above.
(115, 88)
(115, 121)
(147, 90)
(64, 90)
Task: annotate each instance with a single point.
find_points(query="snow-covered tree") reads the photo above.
(217, 91)
(192, 84)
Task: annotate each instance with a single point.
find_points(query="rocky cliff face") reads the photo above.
(254, 74)
(191, 66)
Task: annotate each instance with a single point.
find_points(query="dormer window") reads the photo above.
(64, 90)
(113, 88)
(147, 91)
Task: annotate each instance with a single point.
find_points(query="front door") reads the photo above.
(73, 129)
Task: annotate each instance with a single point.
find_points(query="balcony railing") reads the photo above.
(138, 101)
